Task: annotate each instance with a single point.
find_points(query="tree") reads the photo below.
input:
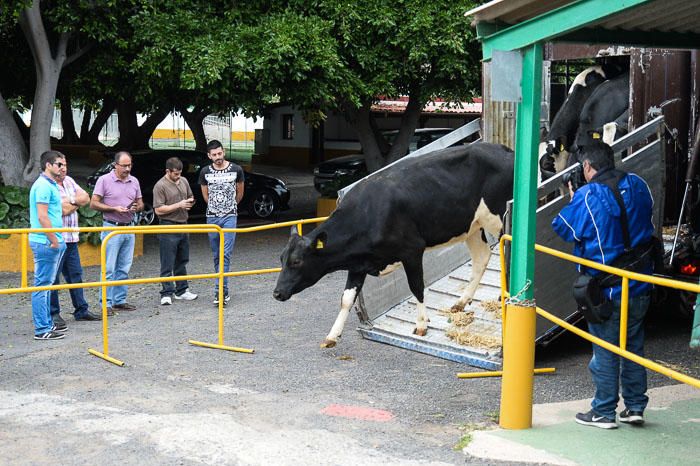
(423, 50)
(57, 32)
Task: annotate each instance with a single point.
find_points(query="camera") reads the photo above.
(576, 178)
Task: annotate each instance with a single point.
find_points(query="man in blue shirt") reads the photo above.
(45, 212)
(592, 220)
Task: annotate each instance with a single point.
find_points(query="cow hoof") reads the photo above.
(328, 343)
(457, 308)
(421, 332)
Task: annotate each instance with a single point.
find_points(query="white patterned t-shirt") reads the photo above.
(222, 189)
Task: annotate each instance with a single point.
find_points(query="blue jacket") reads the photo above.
(592, 222)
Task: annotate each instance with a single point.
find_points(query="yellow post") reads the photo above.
(624, 312)
(518, 366)
(221, 287)
(24, 253)
(103, 290)
(299, 229)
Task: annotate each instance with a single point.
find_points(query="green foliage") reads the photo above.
(14, 213)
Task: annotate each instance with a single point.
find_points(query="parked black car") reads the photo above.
(335, 174)
(264, 195)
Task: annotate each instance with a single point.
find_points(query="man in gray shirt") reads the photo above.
(172, 199)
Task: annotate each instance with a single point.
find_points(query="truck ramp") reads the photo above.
(396, 325)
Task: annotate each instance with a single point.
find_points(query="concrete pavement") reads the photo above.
(668, 436)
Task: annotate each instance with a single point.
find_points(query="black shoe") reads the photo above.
(49, 336)
(592, 419)
(59, 323)
(227, 298)
(87, 315)
(124, 307)
(632, 417)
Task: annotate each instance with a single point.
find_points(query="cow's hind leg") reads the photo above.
(480, 253)
(414, 274)
(353, 286)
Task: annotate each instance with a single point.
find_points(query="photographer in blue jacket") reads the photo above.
(594, 222)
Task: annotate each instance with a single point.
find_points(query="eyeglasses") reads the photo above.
(59, 164)
(124, 165)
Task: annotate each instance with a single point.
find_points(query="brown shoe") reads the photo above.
(124, 307)
(110, 312)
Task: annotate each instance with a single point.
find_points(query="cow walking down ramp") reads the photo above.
(448, 196)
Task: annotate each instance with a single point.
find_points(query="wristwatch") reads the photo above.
(71, 199)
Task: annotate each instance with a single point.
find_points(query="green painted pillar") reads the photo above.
(519, 341)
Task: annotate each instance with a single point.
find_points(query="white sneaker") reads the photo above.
(187, 296)
(166, 300)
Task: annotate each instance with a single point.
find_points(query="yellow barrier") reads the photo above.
(519, 417)
(152, 229)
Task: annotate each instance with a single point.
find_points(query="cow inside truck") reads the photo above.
(661, 83)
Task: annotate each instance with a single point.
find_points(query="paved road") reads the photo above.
(288, 403)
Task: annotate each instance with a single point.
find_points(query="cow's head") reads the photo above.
(302, 265)
(553, 155)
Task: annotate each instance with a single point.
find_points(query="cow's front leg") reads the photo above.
(352, 289)
(414, 274)
(480, 253)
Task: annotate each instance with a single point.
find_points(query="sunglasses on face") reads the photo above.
(59, 164)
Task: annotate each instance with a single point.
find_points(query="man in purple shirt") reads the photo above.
(118, 196)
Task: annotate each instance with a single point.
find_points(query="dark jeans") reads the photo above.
(174, 256)
(73, 273)
(611, 372)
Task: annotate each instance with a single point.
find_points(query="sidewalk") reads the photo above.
(669, 435)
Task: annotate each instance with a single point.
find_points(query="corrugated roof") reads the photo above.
(679, 16)
(399, 106)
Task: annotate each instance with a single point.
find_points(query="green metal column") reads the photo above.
(519, 343)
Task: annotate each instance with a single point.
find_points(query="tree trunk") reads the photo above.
(92, 136)
(131, 135)
(360, 119)
(70, 136)
(13, 151)
(409, 121)
(48, 69)
(145, 131)
(85, 124)
(127, 125)
(195, 120)
(49, 59)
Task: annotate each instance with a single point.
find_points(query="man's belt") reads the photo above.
(119, 224)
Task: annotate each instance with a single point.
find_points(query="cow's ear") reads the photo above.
(294, 231)
(320, 241)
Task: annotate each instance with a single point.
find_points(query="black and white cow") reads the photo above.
(608, 104)
(448, 196)
(554, 149)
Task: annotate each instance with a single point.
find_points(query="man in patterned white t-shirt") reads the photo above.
(222, 185)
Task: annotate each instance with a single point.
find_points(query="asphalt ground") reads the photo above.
(290, 402)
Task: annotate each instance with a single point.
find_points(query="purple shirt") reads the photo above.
(69, 189)
(115, 192)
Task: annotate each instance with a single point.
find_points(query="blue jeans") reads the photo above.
(229, 240)
(610, 371)
(46, 260)
(174, 256)
(120, 255)
(73, 273)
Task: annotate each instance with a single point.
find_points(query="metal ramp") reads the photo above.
(396, 325)
(387, 310)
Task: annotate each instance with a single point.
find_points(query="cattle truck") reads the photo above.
(654, 148)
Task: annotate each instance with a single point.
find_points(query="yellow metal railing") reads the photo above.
(522, 418)
(151, 229)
